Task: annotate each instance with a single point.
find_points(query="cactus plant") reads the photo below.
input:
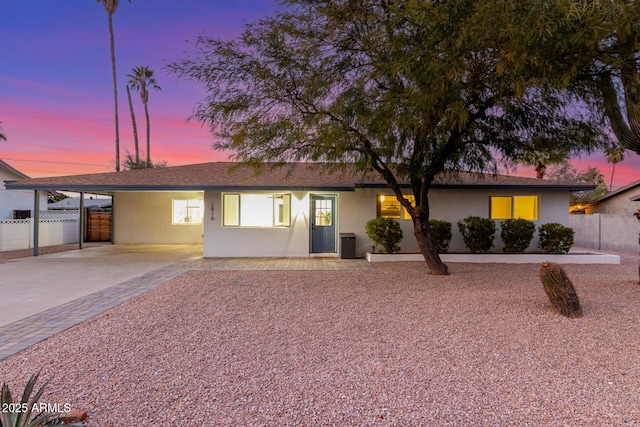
(560, 290)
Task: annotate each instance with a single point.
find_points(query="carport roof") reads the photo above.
(230, 176)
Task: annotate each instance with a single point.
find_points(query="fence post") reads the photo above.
(81, 221)
(36, 222)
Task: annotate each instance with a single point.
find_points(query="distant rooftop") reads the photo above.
(634, 188)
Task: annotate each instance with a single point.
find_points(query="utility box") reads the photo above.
(347, 245)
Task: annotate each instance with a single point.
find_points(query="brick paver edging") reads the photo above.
(26, 332)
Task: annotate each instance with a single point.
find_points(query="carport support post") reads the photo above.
(36, 221)
(113, 218)
(81, 221)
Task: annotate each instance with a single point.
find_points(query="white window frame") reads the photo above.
(197, 204)
(237, 223)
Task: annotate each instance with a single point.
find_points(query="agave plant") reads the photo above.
(18, 414)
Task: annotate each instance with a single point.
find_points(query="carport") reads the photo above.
(33, 285)
(127, 186)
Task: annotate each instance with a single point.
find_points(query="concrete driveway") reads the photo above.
(31, 285)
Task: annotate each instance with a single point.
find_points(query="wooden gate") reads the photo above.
(98, 226)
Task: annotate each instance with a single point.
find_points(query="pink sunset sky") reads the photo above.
(56, 93)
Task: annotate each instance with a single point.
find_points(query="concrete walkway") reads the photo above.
(45, 295)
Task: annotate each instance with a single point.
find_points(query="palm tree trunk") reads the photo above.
(135, 127)
(146, 114)
(612, 172)
(115, 90)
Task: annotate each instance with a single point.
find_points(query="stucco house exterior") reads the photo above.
(609, 223)
(296, 211)
(623, 201)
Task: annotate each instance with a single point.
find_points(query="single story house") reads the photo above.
(623, 201)
(15, 204)
(296, 211)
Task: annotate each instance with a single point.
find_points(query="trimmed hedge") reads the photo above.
(385, 232)
(555, 238)
(441, 234)
(516, 234)
(478, 233)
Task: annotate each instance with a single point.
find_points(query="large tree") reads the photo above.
(405, 89)
(590, 49)
(142, 79)
(617, 71)
(565, 172)
(111, 6)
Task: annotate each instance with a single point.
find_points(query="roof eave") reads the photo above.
(115, 188)
(496, 186)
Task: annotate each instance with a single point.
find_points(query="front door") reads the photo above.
(323, 224)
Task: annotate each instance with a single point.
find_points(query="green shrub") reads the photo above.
(441, 234)
(516, 235)
(555, 238)
(478, 233)
(385, 232)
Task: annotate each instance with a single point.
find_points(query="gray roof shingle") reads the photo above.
(233, 176)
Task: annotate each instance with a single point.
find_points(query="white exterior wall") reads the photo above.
(145, 218)
(290, 241)
(18, 234)
(354, 209)
(453, 205)
(11, 200)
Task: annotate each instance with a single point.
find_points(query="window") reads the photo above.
(506, 207)
(323, 213)
(187, 212)
(256, 210)
(390, 207)
(282, 210)
(231, 210)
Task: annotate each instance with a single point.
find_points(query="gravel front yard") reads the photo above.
(390, 346)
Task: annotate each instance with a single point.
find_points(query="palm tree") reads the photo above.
(615, 154)
(141, 79)
(3, 137)
(111, 6)
(133, 123)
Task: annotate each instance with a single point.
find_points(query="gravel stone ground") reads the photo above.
(392, 346)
